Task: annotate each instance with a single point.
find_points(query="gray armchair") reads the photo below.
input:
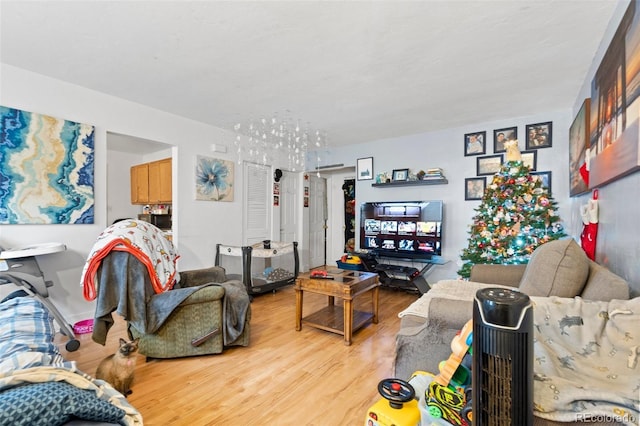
(215, 316)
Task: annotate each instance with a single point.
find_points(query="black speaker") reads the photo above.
(502, 373)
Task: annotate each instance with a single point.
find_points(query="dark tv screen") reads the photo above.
(409, 229)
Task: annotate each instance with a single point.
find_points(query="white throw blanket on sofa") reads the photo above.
(445, 289)
(586, 359)
(586, 353)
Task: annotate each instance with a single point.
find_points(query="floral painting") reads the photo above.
(214, 179)
(46, 169)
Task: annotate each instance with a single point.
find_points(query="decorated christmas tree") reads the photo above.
(516, 215)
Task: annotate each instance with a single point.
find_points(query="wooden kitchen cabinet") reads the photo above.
(151, 182)
(140, 184)
(160, 182)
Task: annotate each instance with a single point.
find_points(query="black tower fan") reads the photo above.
(502, 373)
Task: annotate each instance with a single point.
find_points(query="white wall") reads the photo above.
(445, 149)
(201, 224)
(119, 185)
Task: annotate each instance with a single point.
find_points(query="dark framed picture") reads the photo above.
(539, 135)
(530, 158)
(500, 136)
(400, 175)
(365, 168)
(578, 141)
(545, 178)
(475, 143)
(474, 188)
(488, 165)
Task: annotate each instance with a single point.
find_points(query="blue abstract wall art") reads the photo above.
(46, 169)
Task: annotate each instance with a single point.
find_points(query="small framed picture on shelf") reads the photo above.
(539, 135)
(475, 143)
(365, 168)
(500, 136)
(474, 188)
(488, 165)
(530, 158)
(400, 175)
(545, 178)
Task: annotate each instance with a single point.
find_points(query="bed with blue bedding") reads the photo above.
(38, 386)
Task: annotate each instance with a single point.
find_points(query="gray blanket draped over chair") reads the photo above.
(124, 286)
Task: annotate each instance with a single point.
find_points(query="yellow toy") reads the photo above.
(398, 405)
(449, 394)
(445, 399)
(351, 259)
(459, 347)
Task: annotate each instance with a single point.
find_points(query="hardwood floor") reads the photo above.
(285, 377)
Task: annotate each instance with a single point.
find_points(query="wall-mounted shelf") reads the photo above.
(442, 181)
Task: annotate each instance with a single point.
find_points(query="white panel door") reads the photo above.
(317, 221)
(256, 203)
(290, 207)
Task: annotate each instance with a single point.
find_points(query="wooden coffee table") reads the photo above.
(345, 285)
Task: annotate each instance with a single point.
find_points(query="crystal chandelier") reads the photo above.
(281, 142)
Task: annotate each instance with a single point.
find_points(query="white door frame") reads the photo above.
(317, 221)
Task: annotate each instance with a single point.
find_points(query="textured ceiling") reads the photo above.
(360, 70)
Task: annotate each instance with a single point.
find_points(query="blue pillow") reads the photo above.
(54, 403)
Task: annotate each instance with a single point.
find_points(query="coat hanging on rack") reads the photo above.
(349, 190)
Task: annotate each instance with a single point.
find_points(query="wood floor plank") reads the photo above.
(284, 377)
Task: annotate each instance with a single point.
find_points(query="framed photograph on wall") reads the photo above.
(488, 165)
(500, 136)
(530, 158)
(400, 175)
(474, 188)
(365, 168)
(539, 135)
(578, 142)
(545, 177)
(475, 143)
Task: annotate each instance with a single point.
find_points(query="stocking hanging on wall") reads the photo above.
(589, 213)
(349, 190)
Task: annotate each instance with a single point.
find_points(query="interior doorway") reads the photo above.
(289, 207)
(349, 211)
(317, 221)
(336, 226)
(256, 202)
(124, 151)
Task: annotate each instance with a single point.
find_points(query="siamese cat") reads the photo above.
(118, 369)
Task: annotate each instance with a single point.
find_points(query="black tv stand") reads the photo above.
(401, 277)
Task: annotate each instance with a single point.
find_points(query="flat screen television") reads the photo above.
(406, 229)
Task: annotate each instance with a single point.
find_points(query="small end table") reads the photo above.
(343, 284)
